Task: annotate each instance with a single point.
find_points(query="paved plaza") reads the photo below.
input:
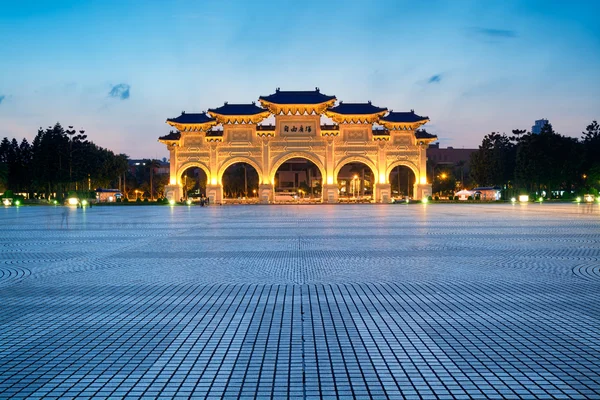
(322, 301)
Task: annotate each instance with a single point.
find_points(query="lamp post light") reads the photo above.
(254, 192)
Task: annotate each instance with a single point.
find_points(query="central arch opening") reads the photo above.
(298, 179)
(193, 183)
(240, 182)
(402, 180)
(355, 182)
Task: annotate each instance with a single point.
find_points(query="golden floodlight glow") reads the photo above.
(213, 181)
(589, 198)
(73, 201)
(7, 202)
(423, 180)
(330, 180)
(381, 177)
(523, 198)
(173, 181)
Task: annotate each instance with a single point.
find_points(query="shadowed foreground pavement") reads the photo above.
(381, 301)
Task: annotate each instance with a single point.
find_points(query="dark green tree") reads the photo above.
(493, 163)
(591, 155)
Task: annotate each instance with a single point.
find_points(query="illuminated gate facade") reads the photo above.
(361, 132)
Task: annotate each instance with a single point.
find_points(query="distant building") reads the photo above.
(451, 158)
(487, 193)
(536, 129)
(108, 195)
(162, 167)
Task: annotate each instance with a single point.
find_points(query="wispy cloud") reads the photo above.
(120, 91)
(435, 78)
(2, 97)
(495, 33)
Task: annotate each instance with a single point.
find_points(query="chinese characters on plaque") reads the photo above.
(297, 128)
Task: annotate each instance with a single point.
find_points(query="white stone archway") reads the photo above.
(420, 185)
(361, 132)
(297, 154)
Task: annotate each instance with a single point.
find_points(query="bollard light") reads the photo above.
(18, 203)
(172, 202)
(512, 200)
(578, 199)
(188, 202)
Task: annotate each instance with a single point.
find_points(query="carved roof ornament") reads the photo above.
(403, 120)
(239, 113)
(192, 122)
(297, 102)
(355, 113)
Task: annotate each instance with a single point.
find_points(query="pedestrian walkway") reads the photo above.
(340, 301)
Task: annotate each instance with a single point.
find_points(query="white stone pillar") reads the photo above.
(329, 186)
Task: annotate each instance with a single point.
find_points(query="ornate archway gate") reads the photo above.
(361, 132)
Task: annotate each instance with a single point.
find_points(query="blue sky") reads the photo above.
(120, 68)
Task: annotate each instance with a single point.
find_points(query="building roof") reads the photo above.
(100, 190)
(356, 109)
(297, 97)
(238, 109)
(173, 135)
(420, 134)
(191, 118)
(403, 117)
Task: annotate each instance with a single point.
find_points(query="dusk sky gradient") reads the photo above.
(120, 68)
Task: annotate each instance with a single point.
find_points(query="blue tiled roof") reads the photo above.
(403, 117)
(421, 134)
(297, 97)
(171, 136)
(191, 118)
(238, 109)
(356, 109)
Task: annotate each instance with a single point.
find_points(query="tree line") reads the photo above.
(545, 164)
(57, 161)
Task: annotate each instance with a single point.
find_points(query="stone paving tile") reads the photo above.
(352, 301)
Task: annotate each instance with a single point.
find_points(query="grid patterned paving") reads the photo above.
(344, 301)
